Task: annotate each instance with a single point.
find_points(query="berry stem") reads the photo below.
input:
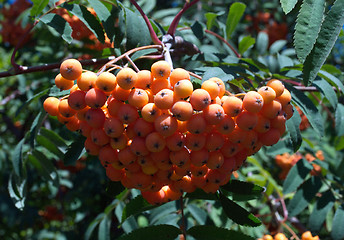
(290, 230)
(224, 41)
(172, 29)
(183, 222)
(152, 33)
(132, 63)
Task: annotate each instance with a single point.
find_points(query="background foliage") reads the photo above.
(50, 189)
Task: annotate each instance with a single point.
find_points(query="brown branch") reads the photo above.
(183, 222)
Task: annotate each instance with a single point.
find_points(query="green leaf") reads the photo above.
(288, 5)
(262, 43)
(74, 151)
(322, 207)
(337, 232)
(197, 29)
(296, 176)
(293, 126)
(17, 158)
(215, 72)
(87, 18)
(308, 108)
(327, 37)
(35, 126)
(236, 11)
(304, 196)
(53, 137)
(326, 89)
(340, 120)
(211, 17)
(17, 191)
(200, 194)
(138, 35)
(216, 233)
(158, 232)
(243, 190)
(307, 27)
(104, 228)
(277, 46)
(198, 213)
(135, 206)
(237, 213)
(46, 143)
(92, 226)
(105, 17)
(36, 96)
(246, 43)
(38, 6)
(59, 24)
(329, 77)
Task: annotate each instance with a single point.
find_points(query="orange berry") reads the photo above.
(142, 128)
(159, 84)
(95, 98)
(221, 85)
(138, 146)
(74, 88)
(267, 93)
(200, 157)
(71, 69)
(126, 78)
(267, 237)
(271, 110)
(76, 100)
(228, 165)
(106, 81)
(138, 97)
(226, 126)
(119, 142)
(214, 141)
(166, 125)
(179, 74)
(150, 95)
(150, 112)
(175, 142)
(200, 99)
(182, 110)
(85, 129)
(164, 99)
(289, 110)
(144, 79)
(183, 89)
(113, 127)
(184, 185)
(213, 114)
(284, 98)
(196, 124)
(237, 135)
(229, 148)
(120, 94)
(51, 106)
(246, 120)
(232, 106)
(171, 195)
(270, 137)
(155, 142)
(212, 88)
(113, 106)
(263, 124)
(276, 85)
(99, 137)
(182, 126)
(250, 140)
(161, 70)
(81, 114)
(280, 236)
(141, 180)
(215, 161)
(73, 124)
(127, 113)
(114, 174)
(95, 117)
(62, 83)
(195, 142)
(87, 81)
(198, 171)
(64, 109)
(199, 181)
(107, 155)
(215, 176)
(181, 157)
(126, 156)
(154, 198)
(91, 148)
(253, 101)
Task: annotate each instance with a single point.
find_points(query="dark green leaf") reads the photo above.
(92, 226)
(322, 207)
(38, 6)
(104, 228)
(308, 108)
(158, 232)
(337, 232)
(200, 194)
(293, 126)
(340, 120)
(17, 158)
(262, 43)
(114, 188)
(326, 89)
(197, 29)
(17, 191)
(216, 233)
(304, 196)
(296, 176)
(46, 143)
(327, 37)
(87, 18)
(104, 15)
(36, 96)
(288, 5)
(138, 35)
(237, 213)
(35, 126)
(59, 24)
(74, 151)
(135, 206)
(243, 190)
(53, 137)
(55, 92)
(307, 27)
(199, 214)
(236, 11)
(333, 79)
(47, 165)
(246, 43)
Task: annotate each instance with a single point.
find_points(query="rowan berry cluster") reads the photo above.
(287, 161)
(280, 236)
(153, 131)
